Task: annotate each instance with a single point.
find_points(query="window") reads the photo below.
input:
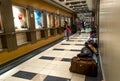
(56, 21)
(69, 21)
(0, 44)
(51, 20)
(1, 27)
(62, 21)
(48, 20)
(66, 19)
(38, 19)
(20, 18)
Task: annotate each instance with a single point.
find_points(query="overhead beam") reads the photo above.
(58, 5)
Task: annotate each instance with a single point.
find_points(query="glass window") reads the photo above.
(69, 21)
(56, 21)
(48, 20)
(66, 19)
(51, 20)
(62, 21)
(0, 44)
(38, 19)
(20, 18)
(1, 27)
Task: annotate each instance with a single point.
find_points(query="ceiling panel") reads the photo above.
(81, 6)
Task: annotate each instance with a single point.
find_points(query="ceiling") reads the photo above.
(78, 6)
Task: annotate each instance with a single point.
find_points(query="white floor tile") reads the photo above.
(8, 73)
(15, 79)
(39, 77)
(69, 47)
(73, 42)
(78, 75)
(33, 69)
(75, 78)
(55, 62)
(45, 71)
(50, 67)
(60, 68)
(61, 74)
(38, 63)
(1, 80)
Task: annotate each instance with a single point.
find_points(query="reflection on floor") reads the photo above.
(52, 64)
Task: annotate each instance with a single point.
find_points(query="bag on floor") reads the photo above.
(86, 66)
(85, 53)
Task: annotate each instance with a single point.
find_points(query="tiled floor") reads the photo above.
(50, 65)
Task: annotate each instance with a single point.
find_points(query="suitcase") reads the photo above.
(86, 66)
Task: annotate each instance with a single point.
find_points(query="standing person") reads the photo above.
(79, 27)
(68, 32)
(65, 24)
(83, 25)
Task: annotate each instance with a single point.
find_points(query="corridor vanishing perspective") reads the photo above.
(52, 64)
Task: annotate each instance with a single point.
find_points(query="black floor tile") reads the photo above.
(79, 44)
(53, 78)
(24, 75)
(66, 59)
(58, 49)
(75, 50)
(47, 58)
(13, 63)
(65, 44)
(99, 74)
(98, 78)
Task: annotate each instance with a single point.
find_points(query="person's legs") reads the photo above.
(67, 37)
(95, 58)
(79, 31)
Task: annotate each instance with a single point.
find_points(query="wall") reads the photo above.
(6, 56)
(40, 4)
(110, 38)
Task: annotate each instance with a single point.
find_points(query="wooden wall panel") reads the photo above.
(7, 56)
(38, 35)
(8, 40)
(21, 38)
(41, 5)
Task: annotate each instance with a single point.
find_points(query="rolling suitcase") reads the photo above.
(86, 66)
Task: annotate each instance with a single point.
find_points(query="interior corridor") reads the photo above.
(52, 64)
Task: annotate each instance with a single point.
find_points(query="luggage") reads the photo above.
(85, 53)
(86, 66)
(86, 50)
(82, 55)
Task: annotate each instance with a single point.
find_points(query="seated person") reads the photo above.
(88, 51)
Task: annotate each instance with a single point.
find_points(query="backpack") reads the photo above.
(85, 52)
